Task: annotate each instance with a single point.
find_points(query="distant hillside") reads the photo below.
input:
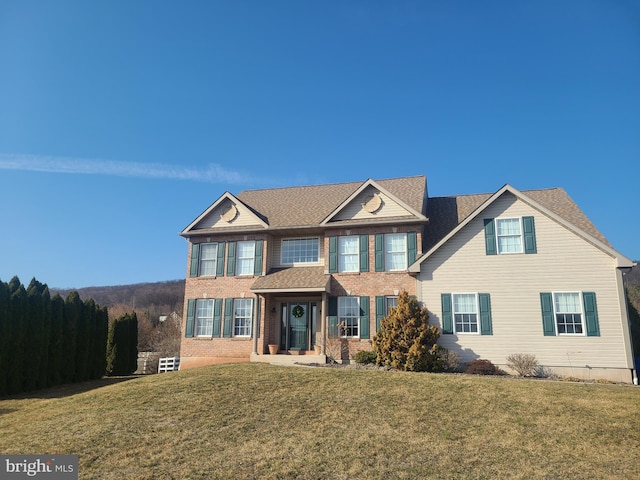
(139, 296)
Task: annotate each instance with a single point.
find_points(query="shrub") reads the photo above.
(366, 356)
(525, 364)
(450, 360)
(483, 367)
(405, 340)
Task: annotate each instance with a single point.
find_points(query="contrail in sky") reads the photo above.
(213, 173)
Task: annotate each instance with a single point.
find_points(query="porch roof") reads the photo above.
(293, 279)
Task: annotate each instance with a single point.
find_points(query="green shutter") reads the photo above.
(591, 314)
(364, 317)
(333, 254)
(231, 259)
(447, 313)
(191, 318)
(257, 264)
(529, 227)
(380, 310)
(379, 252)
(364, 253)
(333, 317)
(490, 236)
(548, 320)
(228, 317)
(195, 257)
(220, 262)
(486, 328)
(412, 247)
(217, 316)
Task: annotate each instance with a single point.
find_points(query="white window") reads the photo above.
(299, 250)
(465, 312)
(242, 315)
(208, 259)
(246, 257)
(348, 249)
(568, 313)
(348, 316)
(395, 250)
(509, 235)
(204, 318)
(390, 302)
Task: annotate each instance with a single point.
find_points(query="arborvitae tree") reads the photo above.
(35, 344)
(82, 343)
(133, 342)
(100, 355)
(405, 339)
(118, 346)
(54, 364)
(4, 335)
(19, 334)
(72, 315)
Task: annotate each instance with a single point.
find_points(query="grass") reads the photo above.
(251, 421)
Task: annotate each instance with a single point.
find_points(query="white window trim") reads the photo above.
(357, 318)
(453, 313)
(497, 220)
(386, 303)
(294, 264)
(215, 260)
(238, 258)
(582, 315)
(387, 252)
(357, 253)
(197, 318)
(233, 318)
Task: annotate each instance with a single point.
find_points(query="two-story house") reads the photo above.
(293, 266)
(283, 270)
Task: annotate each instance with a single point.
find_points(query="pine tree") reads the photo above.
(405, 340)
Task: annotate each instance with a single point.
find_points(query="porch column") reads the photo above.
(323, 323)
(256, 322)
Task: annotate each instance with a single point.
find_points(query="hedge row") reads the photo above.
(48, 341)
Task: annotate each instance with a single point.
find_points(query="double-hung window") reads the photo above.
(246, 257)
(242, 315)
(395, 251)
(568, 313)
(348, 248)
(465, 312)
(390, 302)
(204, 318)
(299, 250)
(509, 235)
(208, 259)
(348, 316)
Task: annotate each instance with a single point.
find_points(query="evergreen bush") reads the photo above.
(405, 340)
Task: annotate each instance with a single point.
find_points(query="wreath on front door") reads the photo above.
(297, 311)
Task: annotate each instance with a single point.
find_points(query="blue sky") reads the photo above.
(121, 121)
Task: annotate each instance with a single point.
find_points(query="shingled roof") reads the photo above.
(445, 213)
(310, 205)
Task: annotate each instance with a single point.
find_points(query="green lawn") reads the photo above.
(251, 421)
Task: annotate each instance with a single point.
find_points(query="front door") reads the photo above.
(298, 326)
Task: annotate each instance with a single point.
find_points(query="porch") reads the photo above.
(290, 358)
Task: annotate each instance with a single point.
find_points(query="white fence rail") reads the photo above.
(168, 364)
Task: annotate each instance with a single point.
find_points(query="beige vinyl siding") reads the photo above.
(213, 219)
(355, 210)
(564, 262)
